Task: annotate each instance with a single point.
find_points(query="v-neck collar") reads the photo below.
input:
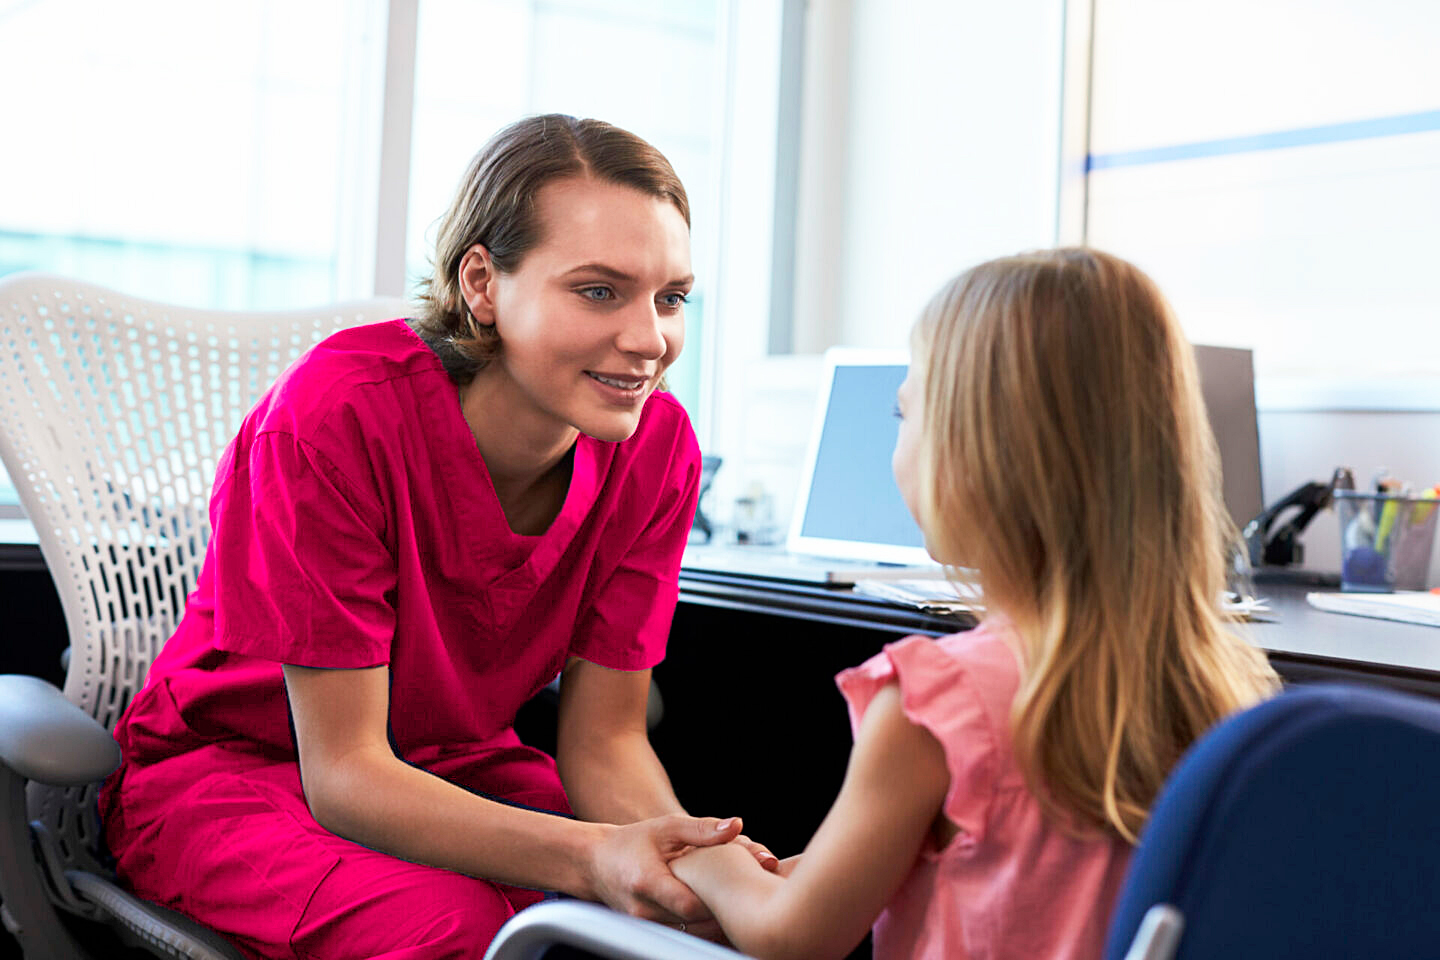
(525, 559)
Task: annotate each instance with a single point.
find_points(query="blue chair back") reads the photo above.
(1307, 826)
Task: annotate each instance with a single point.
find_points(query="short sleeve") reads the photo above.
(628, 623)
(936, 693)
(302, 573)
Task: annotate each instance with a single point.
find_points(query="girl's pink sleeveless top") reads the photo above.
(1012, 883)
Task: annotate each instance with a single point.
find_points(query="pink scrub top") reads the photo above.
(1013, 884)
(355, 524)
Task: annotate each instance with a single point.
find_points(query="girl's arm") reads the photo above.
(357, 788)
(893, 792)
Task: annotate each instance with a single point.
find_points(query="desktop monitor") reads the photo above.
(1227, 379)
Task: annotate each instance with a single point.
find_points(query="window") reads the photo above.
(1276, 167)
(230, 156)
(196, 153)
(651, 67)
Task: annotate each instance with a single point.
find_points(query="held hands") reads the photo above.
(629, 870)
(763, 856)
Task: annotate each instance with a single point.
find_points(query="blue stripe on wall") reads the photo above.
(1280, 139)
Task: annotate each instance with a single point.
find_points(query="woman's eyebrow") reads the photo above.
(610, 273)
(620, 276)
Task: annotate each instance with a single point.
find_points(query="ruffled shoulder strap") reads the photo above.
(959, 688)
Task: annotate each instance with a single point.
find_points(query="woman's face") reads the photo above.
(595, 312)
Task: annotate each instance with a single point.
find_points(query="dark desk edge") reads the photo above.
(837, 605)
(21, 556)
(841, 607)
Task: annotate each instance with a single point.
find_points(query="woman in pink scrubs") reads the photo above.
(418, 527)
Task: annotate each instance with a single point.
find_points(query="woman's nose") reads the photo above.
(644, 332)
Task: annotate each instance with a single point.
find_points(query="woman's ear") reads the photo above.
(477, 284)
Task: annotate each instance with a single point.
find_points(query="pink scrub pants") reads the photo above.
(227, 839)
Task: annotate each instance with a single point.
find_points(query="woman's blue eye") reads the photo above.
(674, 300)
(597, 294)
(897, 413)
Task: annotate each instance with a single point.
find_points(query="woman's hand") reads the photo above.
(787, 866)
(760, 852)
(630, 866)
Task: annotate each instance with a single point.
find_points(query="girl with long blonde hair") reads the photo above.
(1054, 447)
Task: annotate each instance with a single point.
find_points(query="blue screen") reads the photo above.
(852, 492)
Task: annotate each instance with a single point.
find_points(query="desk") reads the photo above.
(1303, 643)
(754, 725)
(34, 624)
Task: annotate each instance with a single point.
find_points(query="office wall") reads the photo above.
(954, 140)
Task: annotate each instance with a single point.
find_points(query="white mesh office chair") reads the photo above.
(113, 412)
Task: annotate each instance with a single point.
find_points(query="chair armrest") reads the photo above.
(597, 930)
(46, 738)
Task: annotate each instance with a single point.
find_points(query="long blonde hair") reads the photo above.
(1068, 458)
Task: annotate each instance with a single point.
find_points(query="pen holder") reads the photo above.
(1385, 541)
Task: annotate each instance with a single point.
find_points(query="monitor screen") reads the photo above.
(852, 495)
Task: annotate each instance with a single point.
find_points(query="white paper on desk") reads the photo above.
(950, 596)
(1407, 606)
(934, 596)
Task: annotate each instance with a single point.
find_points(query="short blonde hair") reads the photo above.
(1068, 457)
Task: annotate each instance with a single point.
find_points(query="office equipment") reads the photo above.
(147, 395)
(1303, 827)
(849, 505)
(1227, 381)
(709, 466)
(849, 519)
(1282, 546)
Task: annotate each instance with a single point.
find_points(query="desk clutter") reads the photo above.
(1386, 536)
(929, 595)
(958, 596)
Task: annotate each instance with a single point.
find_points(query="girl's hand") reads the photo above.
(629, 868)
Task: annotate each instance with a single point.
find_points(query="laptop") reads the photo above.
(850, 522)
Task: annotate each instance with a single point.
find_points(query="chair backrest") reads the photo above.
(1305, 826)
(113, 413)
